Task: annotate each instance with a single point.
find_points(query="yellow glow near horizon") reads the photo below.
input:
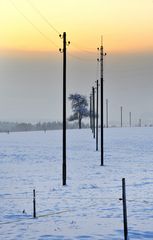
(127, 25)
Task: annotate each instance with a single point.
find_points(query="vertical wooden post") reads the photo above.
(121, 116)
(64, 108)
(90, 113)
(130, 121)
(102, 54)
(140, 122)
(34, 203)
(124, 210)
(101, 106)
(93, 93)
(106, 113)
(97, 115)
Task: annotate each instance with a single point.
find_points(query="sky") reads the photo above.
(31, 64)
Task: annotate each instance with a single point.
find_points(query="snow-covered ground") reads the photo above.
(88, 207)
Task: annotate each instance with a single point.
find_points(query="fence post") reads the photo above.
(124, 210)
(34, 203)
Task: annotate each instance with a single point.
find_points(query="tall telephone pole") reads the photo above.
(90, 112)
(93, 95)
(97, 88)
(130, 120)
(106, 113)
(121, 116)
(64, 106)
(102, 54)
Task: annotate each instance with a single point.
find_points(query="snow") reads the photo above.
(89, 206)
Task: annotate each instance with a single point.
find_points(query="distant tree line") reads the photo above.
(40, 126)
(79, 106)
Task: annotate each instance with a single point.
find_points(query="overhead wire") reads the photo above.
(34, 26)
(43, 17)
(52, 27)
(58, 32)
(79, 58)
(84, 50)
(86, 58)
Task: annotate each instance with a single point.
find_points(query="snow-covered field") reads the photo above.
(88, 207)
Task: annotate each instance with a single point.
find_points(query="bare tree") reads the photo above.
(79, 107)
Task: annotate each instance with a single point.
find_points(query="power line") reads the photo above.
(80, 58)
(42, 16)
(34, 26)
(56, 30)
(82, 49)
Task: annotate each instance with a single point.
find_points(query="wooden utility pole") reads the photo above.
(121, 116)
(106, 113)
(90, 113)
(130, 120)
(97, 100)
(93, 95)
(64, 107)
(102, 54)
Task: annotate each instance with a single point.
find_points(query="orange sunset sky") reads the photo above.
(127, 25)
